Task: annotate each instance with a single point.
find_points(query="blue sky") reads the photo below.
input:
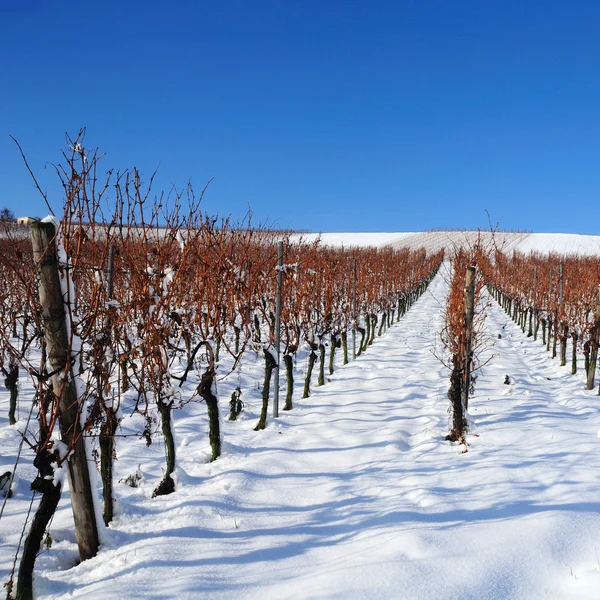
(341, 115)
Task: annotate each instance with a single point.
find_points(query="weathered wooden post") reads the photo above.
(549, 314)
(594, 346)
(574, 337)
(278, 329)
(354, 315)
(535, 312)
(469, 315)
(110, 423)
(58, 347)
(565, 331)
(111, 270)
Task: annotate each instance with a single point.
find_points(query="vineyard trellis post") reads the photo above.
(469, 315)
(111, 269)
(106, 441)
(594, 346)
(532, 329)
(354, 316)
(58, 346)
(561, 333)
(549, 312)
(278, 328)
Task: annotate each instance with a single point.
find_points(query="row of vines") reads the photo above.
(552, 297)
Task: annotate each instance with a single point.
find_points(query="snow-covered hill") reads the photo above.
(563, 243)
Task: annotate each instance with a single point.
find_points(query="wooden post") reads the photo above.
(469, 315)
(594, 346)
(111, 269)
(386, 315)
(532, 331)
(565, 331)
(354, 316)
(549, 313)
(58, 346)
(278, 329)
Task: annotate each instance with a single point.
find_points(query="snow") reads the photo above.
(355, 493)
(352, 239)
(563, 243)
(59, 476)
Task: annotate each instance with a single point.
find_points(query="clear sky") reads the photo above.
(326, 115)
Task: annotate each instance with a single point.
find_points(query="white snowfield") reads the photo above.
(561, 243)
(355, 493)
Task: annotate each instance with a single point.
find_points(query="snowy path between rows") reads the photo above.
(355, 493)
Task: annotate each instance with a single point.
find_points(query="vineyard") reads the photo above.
(193, 408)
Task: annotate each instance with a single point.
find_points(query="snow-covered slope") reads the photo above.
(354, 239)
(563, 243)
(451, 240)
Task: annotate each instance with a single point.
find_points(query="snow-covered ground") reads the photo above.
(355, 493)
